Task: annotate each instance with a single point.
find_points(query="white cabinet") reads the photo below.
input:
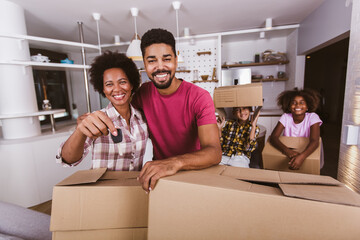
(269, 122)
(18, 116)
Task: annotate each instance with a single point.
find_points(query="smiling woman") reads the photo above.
(116, 77)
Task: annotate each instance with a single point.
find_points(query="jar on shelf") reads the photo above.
(196, 74)
(46, 105)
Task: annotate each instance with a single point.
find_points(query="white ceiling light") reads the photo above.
(97, 17)
(186, 32)
(176, 6)
(134, 50)
(268, 23)
(117, 39)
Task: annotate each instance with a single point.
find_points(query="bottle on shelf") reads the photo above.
(46, 105)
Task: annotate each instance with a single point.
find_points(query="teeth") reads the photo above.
(119, 96)
(161, 75)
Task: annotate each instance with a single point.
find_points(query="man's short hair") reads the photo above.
(157, 35)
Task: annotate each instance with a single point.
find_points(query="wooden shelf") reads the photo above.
(269, 80)
(254, 64)
(183, 71)
(201, 81)
(203, 53)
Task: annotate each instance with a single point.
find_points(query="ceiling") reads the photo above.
(58, 19)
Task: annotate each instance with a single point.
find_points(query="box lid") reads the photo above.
(286, 184)
(83, 177)
(102, 177)
(270, 176)
(330, 194)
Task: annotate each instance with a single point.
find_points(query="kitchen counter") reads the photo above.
(271, 112)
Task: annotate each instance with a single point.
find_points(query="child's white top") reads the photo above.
(301, 129)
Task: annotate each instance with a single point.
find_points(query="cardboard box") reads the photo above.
(273, 159)
(109, 234)
(238, 95)
(217, 204)
(111, 202)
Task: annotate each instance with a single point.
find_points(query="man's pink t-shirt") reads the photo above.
(173, 119)
(301, 129)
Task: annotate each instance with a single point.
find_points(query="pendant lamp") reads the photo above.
(134, 50)
(176, 6)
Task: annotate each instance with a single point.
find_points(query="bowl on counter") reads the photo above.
(204, 77)
(40, 58)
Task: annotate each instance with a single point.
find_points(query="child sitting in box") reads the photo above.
(299, 120)
(238, 137)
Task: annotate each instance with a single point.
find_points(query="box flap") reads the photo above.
(120, 175)
(83, 177)
(252, 174)
(303, 178)
(270, 176)
(218, 169)
(330, 194)
(207, 179)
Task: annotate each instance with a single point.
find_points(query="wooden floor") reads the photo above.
(43, 207)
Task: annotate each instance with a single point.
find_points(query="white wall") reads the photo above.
(349, 157)
(28, 170)
(327, 22)
(78, 85)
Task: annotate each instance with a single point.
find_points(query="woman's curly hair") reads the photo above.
(113, 60)
(311, 97)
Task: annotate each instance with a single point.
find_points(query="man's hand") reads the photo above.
(95, 124)
(154, 170)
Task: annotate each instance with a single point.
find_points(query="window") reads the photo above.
(51, 85)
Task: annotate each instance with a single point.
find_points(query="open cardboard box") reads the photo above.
(95, 204)
(238, 96)
(238, 203)
(275, 160)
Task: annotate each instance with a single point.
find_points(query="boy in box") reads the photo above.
(238, 137)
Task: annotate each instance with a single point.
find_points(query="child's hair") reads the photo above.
(311, 97)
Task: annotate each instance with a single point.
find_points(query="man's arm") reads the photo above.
(209, 155)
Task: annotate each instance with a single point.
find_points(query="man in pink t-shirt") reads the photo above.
(180, 115)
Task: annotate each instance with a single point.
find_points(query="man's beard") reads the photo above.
(162, 85)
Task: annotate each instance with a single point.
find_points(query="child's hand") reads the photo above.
(220, 122)
(290, 153)
(254, 120)
(296, 162)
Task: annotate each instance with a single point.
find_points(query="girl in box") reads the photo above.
(238, 137)
(299, 120)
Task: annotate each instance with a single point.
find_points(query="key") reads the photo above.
(117, 138)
